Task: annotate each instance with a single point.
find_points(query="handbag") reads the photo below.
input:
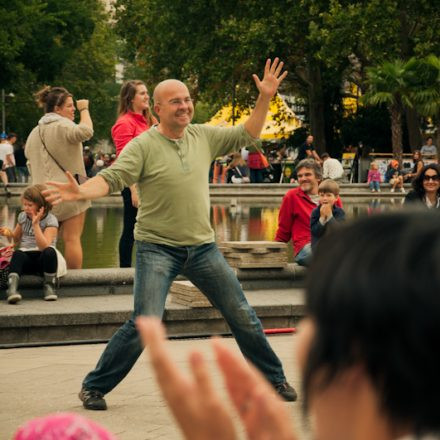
(5, 260)
(78, 177)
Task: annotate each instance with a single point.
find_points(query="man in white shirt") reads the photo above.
(331, 168)
(429, 150)
(6, 158)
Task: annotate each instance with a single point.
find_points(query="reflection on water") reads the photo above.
(238, 221)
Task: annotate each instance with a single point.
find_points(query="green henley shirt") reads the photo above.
(172, 177)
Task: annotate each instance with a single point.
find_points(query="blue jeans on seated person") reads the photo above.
(304, 256)
(156, 268)
(374, 185)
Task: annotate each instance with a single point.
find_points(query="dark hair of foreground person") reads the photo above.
(376, 302)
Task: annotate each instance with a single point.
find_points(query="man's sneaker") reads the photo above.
(92, 399)
(286, 391)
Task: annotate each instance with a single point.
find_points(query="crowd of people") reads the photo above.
(162, 170)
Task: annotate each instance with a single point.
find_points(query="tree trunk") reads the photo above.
(414, 134)
(316, 105)
(396, 132)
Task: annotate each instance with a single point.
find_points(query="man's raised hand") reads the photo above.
(62, 192)
(273, 76)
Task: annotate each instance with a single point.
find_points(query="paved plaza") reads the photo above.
(37, 381)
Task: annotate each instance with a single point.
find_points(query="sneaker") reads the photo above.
(403, 190)
(378, 190)
(286, 391)
(392, 190)
(92, 399)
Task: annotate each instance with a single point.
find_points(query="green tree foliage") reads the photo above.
(388, 85)
(91, 75)
(69, 43)
(215, 46)
(403, 85)
(40, 36)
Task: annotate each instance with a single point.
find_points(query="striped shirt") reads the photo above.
(28, 242)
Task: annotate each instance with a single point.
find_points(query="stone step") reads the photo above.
(92, 282)
(249, 191)
(95, 318)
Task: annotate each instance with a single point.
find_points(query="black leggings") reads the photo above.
(34, 262)
(127, 238)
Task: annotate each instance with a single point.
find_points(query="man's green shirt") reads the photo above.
(172, 177)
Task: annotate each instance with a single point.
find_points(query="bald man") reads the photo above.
(170, 164)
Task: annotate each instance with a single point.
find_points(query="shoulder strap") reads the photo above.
(48, 152)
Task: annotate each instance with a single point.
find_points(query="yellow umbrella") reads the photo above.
(280, 120)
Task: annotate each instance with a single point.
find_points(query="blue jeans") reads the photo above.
(374, 185)
(256, 175)
(156, 268)
(304, 256)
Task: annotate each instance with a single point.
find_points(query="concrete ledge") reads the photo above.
(117, 281)
(97, 318)
(250, 190)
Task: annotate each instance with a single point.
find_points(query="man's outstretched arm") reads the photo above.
(58, 192)
(268, 86)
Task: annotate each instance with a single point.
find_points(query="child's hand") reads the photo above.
(6, 232)
(37, 217)
(326, 210)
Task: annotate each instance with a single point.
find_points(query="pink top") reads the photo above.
(373, 176)
(127, 127)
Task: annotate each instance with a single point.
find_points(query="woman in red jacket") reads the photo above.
(134, 117)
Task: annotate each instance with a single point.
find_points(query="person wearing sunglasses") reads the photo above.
(426, 187)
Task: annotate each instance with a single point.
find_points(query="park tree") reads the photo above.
(424, 83)
(39, 37)
(371, 33)
(399, 85)
(69, 43)
(215, 47)
(388, 85)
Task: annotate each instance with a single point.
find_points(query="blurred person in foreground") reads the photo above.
(367, 350)
(170, 163)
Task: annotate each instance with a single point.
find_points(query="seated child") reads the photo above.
(374, 178)
(326, 213)
(394, 177)
(36, 233)
(236, 171)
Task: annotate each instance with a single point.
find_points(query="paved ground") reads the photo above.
(37, 381)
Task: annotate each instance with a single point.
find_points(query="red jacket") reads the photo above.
(257, 161)
(126, 128)
(294, 218)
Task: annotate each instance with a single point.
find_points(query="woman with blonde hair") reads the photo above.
(54, 147)
(134, 117)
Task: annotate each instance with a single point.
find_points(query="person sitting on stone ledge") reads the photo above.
(367, 350)
(296, 209)
(36, 233)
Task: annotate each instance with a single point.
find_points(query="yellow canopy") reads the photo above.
(280, 120)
